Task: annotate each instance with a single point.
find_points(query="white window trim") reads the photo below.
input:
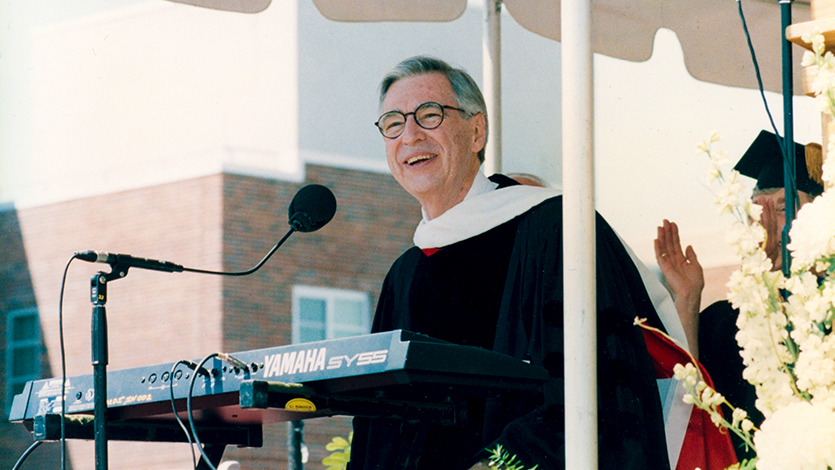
(329, 295)
(11, 381)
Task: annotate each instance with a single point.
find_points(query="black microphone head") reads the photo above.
(312, 208)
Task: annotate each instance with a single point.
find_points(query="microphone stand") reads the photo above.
(304, 217)
(98, 296)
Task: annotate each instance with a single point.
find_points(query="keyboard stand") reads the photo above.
(214, 437)
(308, 403)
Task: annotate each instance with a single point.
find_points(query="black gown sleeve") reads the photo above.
(719, 354)
(379, 443)
(631, 432)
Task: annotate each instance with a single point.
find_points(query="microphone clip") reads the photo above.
(118, 269)
(99, 281)
(119, 265)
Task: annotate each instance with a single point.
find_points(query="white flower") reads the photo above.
(739, 415)
(687, 373)
(813, 232)
(746, 238)
(808, 59)
(711, 397)
(719, 157)
(729, 195)
(713, 173)
(704, 146)
(829, 164)
(754, 211)
(799, 436)
(815, 367)
(804, 284)
(827, 291)
(817, 40)
(818, 43)
(747, 425)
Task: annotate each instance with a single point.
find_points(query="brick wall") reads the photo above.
(226, 222)
(16, 292)
(373, 224)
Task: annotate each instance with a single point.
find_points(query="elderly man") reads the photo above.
(487, 271)
(714, 329)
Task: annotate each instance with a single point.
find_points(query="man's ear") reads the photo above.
(480, 134)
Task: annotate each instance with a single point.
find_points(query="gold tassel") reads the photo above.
(814, 162)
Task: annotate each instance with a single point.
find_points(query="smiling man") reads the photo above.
(486, 271)
(433, 163)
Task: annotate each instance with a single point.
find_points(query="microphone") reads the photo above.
(129, 261)
(312, 208)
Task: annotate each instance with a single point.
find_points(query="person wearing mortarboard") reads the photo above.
(764, 162)
(714, 329)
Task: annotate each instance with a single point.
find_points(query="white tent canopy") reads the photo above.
(710, 31)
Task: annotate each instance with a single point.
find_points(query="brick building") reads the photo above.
(220, 222)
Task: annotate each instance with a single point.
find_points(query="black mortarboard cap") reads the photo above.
(763, 161)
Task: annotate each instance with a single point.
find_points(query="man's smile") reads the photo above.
(420, 158)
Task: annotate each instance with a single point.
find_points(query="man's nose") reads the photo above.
(412, 132)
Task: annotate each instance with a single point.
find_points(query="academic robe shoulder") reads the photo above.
(529, 326)
(631, 433)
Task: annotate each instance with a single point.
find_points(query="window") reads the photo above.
(322, 313)
(23, 350)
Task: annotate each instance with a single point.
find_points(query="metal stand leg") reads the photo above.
(294, 444)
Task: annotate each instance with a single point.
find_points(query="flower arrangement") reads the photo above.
(785, 323)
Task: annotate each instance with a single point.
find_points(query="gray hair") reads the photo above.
(756, 192)
(467, 94)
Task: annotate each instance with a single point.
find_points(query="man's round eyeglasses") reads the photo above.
(427, 115)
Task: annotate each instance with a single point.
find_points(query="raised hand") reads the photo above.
(771, 224)
(684, 276)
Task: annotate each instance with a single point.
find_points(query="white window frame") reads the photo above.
(11, 345)
(329, 295)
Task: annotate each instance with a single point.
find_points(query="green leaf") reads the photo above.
(336, 459)
(332, 446)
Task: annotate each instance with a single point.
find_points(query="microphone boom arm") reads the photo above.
(252, 269)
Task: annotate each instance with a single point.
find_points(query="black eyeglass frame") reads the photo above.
(414, 115)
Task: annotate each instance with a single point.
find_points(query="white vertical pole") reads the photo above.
(578, 229)
(492, 78)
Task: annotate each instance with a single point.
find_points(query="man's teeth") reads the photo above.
(419, 158)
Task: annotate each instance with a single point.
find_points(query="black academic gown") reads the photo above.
(503, 290)
(719, 354)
